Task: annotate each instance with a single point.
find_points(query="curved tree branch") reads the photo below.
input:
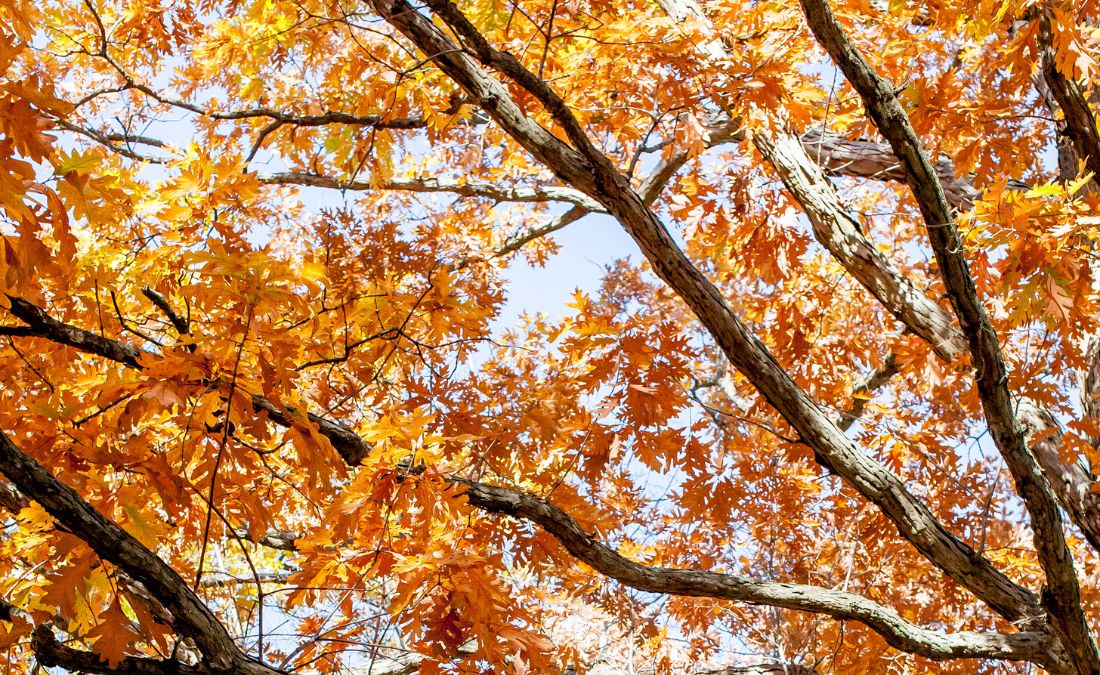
(596, 176)
(1063, 595)
(113, 543)
(1080, 123)
(49, 652)
(1030, 646)
(839, 604)
(538, 193)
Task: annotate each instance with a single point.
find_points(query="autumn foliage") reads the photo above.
(265, 407)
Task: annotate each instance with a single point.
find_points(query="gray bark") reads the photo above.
(190, 616)
(1033, 646)
(1062, 597)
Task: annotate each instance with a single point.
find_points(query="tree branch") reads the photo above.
(500, 193)
(861, 158)
(353, 449)
(599, 179)
(838, 604)
(49, 652)
(1080, 123)
(42, 325)
(866, 385)
(331, 117)
(113, 543)
(1062, 597)
(161, 303)
(46, 326)
(842, 236)
(1072, 482)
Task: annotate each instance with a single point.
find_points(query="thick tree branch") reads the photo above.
(345, 441)
(834, 229)
(1062, 597)
(353, 449)
(49, 652)
(1072, 482)
(1080, 123)
(11, 499)
(840, 605)
(113, 543)
(839, 232)
(860, 158)
(45, 326)
(598, 178)
(836, 232)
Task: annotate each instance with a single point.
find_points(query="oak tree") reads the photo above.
(264, 408)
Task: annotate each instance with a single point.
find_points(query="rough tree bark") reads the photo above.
(1055, 631)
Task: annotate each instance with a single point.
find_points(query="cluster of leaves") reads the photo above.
(253, 295)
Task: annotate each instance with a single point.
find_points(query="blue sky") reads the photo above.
(585, 249)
